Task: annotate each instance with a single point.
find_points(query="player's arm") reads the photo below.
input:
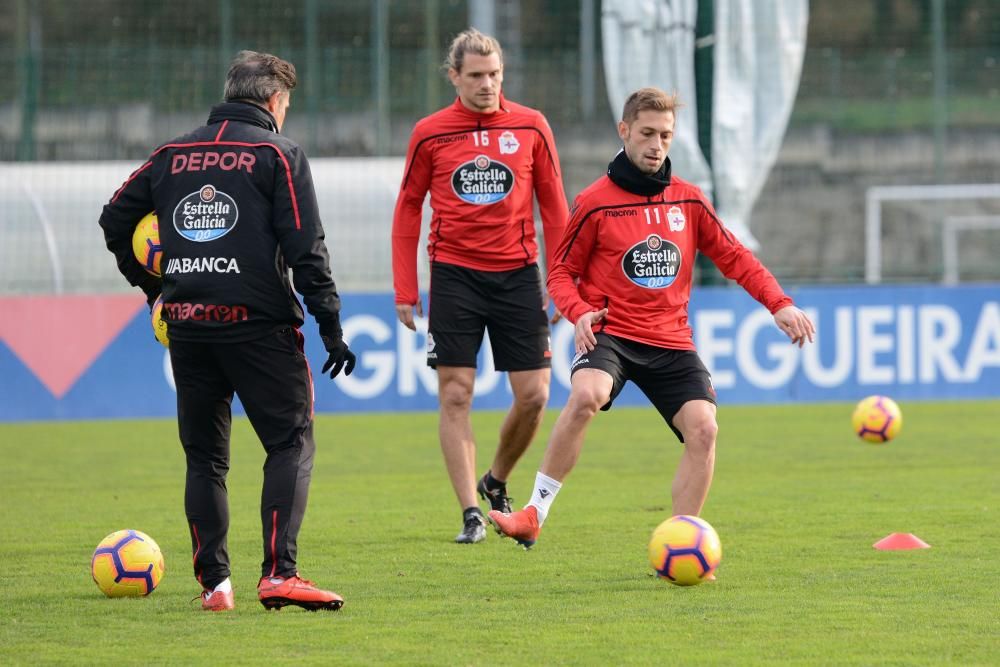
(406, 221)
(132, 201)
(547, 178)
(738, 263)
(296, 222)
(571, 258)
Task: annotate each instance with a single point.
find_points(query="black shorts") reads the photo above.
(668, 378)
(464, 303)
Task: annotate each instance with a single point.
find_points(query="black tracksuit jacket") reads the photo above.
(236, 210)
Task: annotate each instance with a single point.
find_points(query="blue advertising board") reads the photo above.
(910, 342)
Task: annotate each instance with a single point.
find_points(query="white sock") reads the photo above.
(226, 586)
(543, 494)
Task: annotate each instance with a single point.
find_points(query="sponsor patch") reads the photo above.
(652, 263)
(204, 312)
(202, 265)
(205, 215)
(451, 139)
(482, 181)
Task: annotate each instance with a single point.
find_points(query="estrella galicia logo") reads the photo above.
(482, 181)
(652, 263)
(205, 215)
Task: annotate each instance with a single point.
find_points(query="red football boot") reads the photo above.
(521, 525)
(217, 601)
(278, 592)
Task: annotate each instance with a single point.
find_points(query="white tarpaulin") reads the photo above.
(758, 51)
(651, 43)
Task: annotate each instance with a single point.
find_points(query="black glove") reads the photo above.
(151, 298)
(340, 357)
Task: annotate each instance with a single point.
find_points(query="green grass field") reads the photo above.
(798, 502)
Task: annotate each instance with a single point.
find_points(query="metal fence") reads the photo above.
(892, 92)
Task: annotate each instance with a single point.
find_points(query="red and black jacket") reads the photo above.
(481, 170)
(630, 247)
(236, 210)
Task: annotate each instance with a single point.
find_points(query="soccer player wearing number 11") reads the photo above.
(481, 158)
(623, 276)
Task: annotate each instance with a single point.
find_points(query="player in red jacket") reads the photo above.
(623, 276)
(481, 158)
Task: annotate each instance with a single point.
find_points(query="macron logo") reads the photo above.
(544, 493)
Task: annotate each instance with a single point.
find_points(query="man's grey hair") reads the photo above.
(255, 77)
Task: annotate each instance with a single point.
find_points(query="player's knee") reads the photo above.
(455, 396)
(701, 434)
(533, 398)
(585, 402)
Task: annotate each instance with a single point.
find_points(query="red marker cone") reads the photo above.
(900, 542)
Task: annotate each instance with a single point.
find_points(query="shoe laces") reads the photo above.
(499, 492)
(506, 502)
(205, 594)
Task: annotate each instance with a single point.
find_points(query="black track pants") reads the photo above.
(272, 379)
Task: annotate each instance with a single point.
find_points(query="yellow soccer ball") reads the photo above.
(146, 244)
(127, 563)
(685, 550)
(877, 419)
(159, 324)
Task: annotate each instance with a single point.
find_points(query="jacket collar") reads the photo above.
(627, 176)
(476, 115)
(243, 112)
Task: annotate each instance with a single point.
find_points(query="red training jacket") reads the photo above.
(635, 255)
(481, 169)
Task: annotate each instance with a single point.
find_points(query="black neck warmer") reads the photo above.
(627, 176)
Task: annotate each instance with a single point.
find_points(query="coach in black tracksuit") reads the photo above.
(236, 210)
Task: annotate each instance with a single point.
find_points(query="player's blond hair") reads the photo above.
(471, 41)
(648, 99)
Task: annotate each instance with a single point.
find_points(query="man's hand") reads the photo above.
(404, 312)
(556, 315)
(796, 325)
(584, 339)
(340, 357)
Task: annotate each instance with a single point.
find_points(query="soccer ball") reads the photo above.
(159, 325)
(127, 563)
(684, 550)
(146, 244)
(877, 419)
